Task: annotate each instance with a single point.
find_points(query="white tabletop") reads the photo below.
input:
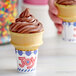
(56, 58)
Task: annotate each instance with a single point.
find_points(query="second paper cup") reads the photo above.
(69, 31)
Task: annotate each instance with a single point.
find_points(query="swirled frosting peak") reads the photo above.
(26, 23)
(25, 13)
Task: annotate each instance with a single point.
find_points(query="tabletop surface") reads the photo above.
(56, 58)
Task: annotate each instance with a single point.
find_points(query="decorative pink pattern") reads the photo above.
(29, 62)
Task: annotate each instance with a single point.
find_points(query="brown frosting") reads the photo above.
(66, 2)
(26, 23)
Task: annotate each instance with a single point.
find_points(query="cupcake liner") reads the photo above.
(41, 13)
(67, 13)
(69, 31)
(26, 41)
(26, 60)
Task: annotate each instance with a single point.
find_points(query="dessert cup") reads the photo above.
(68, 15)
(26, 60)
(26, 36)
(26, 50)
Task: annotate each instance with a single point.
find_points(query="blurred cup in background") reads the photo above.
(68, 14)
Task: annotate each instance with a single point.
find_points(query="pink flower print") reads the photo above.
(29, 62)
(22, 61)
(32, 63)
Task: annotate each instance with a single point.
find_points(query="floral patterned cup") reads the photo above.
(69, 31)
(26, 61)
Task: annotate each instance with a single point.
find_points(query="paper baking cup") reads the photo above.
(67, 13)
(69, 31)
(26, 41)
(26, 60)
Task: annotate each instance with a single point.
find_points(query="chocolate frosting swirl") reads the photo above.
(66, 2)
(26, 23)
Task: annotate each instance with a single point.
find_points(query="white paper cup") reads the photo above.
(26, 61)
(69, 31)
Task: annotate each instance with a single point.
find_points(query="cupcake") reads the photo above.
(26, 36)
(67, 12)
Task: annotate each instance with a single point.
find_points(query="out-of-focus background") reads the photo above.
(54, 55)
